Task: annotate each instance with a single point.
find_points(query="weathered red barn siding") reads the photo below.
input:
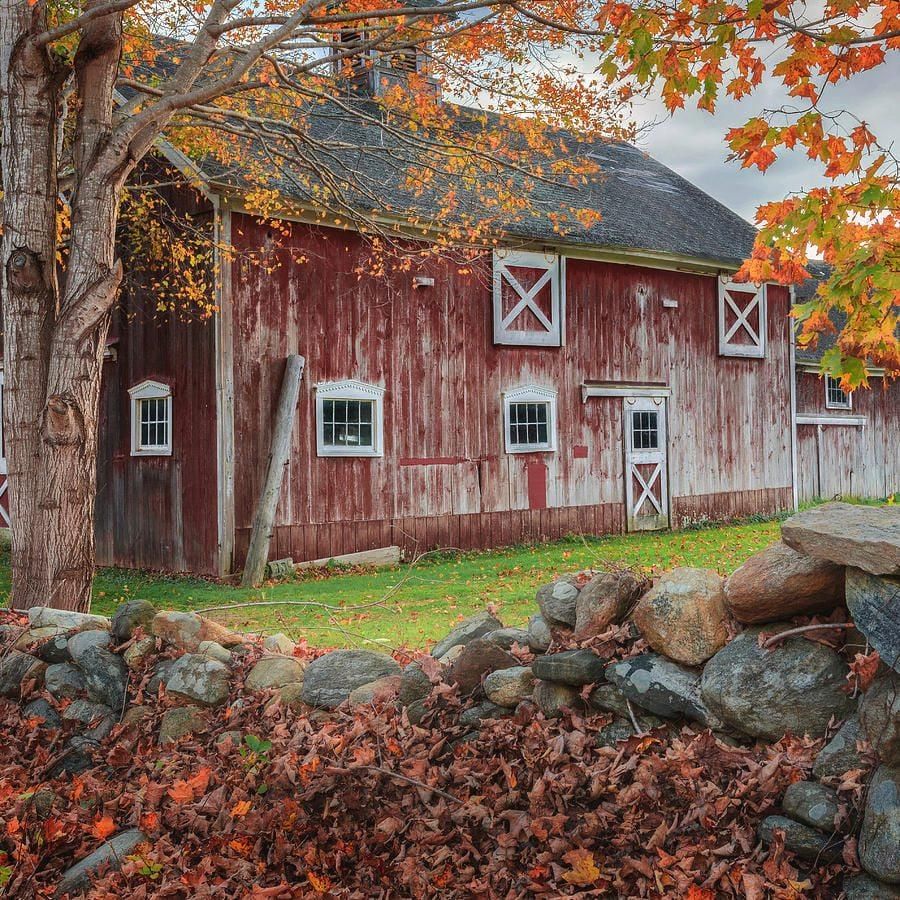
(849, 460)
(159, 512)
(445, 479)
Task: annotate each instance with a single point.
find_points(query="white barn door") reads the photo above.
(646, 464)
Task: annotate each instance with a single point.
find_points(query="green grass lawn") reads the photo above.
(413, 605)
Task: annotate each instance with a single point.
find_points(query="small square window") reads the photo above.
(645, 430)
(530, 420)
(348, 423)
(350, 418)
(151, 419)
(835, 396)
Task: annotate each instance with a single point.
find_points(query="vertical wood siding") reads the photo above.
(849, 460)
(445, 479)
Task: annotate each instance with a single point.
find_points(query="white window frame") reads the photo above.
(756, 350)
(830, 404)
(531, 393)
(554, 268)
(350, 390)
(150, 390)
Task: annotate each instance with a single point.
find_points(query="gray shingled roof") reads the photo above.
(645, 205)
(806, 291)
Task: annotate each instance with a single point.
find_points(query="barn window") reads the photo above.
(151, 419)
(644, 430)
(528, 299)
(349, 419)
(835, 396)
(742, 319)
(529, 419)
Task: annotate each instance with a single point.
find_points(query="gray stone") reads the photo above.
(43, 801)
(840, 755)
(187, 630)
(806, 842)
(874, 604)
(557, 601)
(274, 672)
(866, 537)
(214, 650)
(474, 627)
(105, 676)
(539, 634)
(98, 716)
(605, 600)
(182, 721)
(139, 652)
(862, 887)
(481, 712)
(279, 643)
(778, 583)
(812, 803)
(291, 695)
(41, 709)
(879, 714)
(16, 668)
(507, 637)
(64, 619)
(416, 711)
(663, 687)
(330, 679)
(683, 615)
(54, 650)
(797, 686)
(451, 654)
(508, 687)
(414, 684)
(553, 698)
(879, 839)
(477, 659)
(134, 715)
(161, 672)
(573, 667)
(64, 680)
(131, 615)
(80, 642)
(621, 729)
(380, 690)
(32, 638)
(609, 698)
(199, 679)
(109, 855)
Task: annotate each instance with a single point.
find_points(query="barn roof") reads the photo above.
(804, 292)
(645, 206)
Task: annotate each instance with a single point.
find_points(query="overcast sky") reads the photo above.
(692, 142)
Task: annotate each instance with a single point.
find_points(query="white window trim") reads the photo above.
(554, 265)
(830, 404)
(150, 390)
(530, 393)
(350, 390)
(726, 348)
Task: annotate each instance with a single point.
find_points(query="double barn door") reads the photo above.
(646, 463)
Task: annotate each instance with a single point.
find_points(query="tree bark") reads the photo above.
(54, 345)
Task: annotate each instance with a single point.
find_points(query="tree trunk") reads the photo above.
(53, 350)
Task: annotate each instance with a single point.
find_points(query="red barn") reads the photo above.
(611, 379)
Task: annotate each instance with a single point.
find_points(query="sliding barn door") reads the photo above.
(646, 464)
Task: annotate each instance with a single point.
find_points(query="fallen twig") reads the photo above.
(337, 770)
(637, 728)
(802, 629)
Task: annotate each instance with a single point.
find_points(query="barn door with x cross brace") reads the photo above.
(646, 464)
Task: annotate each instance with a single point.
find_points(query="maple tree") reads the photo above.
(89, 89)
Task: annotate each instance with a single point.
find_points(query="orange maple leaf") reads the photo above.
(700, 893)
(583, 870)
(320, 883)
(186, 791)
(103, 827)
(241, 808)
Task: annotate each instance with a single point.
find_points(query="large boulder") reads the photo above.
(808, 843)
(329, 680)
(468, 630)
(663, 687)
(874, 604)
(683, 615)
(477, 659)
(840, 754)
(64, 680)
(181, 721)
(508, 687)
(879, 839)
(198, 679)
(862, 887)
(605, 600)
(572, 667)
(553, 698)
(814, 804)
(274, 672)
(130, 615)
(16, 669)
(879, 713)
(415, 685)
(557, 600)
(866, 537)
(379, 691)
(109, 855)
(187, 630)
(98, 717)
(80, 642)
(53, 650)
(507, 637)
(796, 686)
(539, 635)
(105, 676)
(779, 582)
(64, 619)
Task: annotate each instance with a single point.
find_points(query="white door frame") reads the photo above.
(646, 495)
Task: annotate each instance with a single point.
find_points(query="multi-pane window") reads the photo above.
(645, 430)
(151, 419)
(348, 423)
(349, 419)
(529, 418)
(835, 396)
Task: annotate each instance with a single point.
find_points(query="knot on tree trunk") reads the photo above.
(25, 271)
(63, 422)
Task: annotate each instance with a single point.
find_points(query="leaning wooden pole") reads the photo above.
(264, 520)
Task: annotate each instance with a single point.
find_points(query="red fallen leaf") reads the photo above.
(186, 791)
(103, 827)
(700, 893)
(864, 668)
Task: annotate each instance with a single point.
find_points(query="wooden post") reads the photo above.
(264, 520)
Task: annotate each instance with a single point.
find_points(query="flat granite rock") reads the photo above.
(806, 842)
(110, 854)
(874, 604)
(865, 537)
(329, 680)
